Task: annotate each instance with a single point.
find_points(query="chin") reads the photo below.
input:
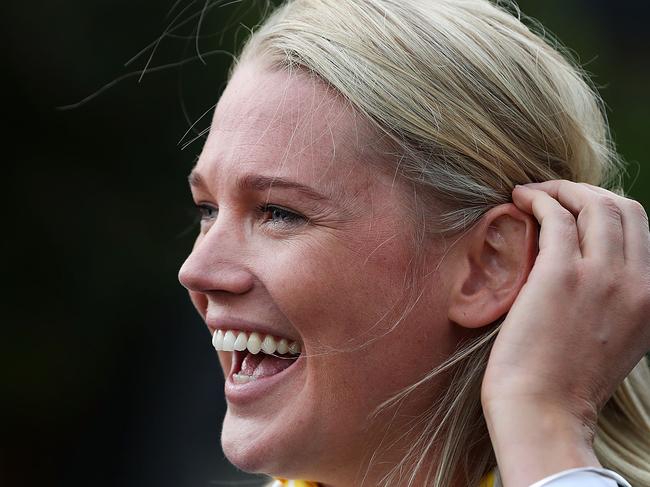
(262, 448)
(244, 456)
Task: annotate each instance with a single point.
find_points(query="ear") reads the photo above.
(495, 258)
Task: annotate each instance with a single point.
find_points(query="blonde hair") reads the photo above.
(473, 102)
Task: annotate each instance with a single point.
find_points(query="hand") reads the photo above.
(577, 328)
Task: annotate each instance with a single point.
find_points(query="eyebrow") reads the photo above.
(255, 182)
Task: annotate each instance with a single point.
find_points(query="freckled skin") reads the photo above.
(336, 283)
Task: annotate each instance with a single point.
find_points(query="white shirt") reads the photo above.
(577, 477)
(583, 477)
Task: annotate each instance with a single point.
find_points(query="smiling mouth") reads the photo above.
(255, 356)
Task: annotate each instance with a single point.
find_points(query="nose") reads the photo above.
(216, 264)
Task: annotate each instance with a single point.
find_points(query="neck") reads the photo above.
(406, 457)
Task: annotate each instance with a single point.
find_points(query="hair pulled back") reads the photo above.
(473, 102)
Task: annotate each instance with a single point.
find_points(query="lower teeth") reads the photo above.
(242, 378)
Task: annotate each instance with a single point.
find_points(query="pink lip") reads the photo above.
(229, 323)
(241, 394)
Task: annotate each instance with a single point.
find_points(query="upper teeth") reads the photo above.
(230, 340)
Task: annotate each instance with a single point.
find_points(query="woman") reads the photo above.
(369, 263)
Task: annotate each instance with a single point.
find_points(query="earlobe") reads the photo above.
(495, 259)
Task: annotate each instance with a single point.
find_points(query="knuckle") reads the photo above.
(610, 205)
(610, 286)
(637, 209)
(565, 187)
(605, 208)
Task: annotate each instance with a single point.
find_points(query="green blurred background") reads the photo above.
(109, 373)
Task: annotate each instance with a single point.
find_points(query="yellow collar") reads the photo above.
(293, 483)
(487, 481)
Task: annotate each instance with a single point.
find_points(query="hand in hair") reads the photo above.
(577, 328)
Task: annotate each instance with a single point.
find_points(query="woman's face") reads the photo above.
(325, 264)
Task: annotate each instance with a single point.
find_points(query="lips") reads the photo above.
(256, 358)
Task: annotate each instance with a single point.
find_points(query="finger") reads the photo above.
(635, 225)
(558, 235)
(598, 216)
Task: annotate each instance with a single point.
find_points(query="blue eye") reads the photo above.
(206, 212)
(277, 215)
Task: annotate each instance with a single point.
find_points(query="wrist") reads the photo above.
(533, 441)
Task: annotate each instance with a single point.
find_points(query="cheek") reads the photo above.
(337, 291)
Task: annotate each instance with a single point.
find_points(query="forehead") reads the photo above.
(291, 125)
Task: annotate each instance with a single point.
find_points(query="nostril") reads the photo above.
(235, 280)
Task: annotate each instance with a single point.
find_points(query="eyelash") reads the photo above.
(293, 217)
(206, 213)
(203, 212)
